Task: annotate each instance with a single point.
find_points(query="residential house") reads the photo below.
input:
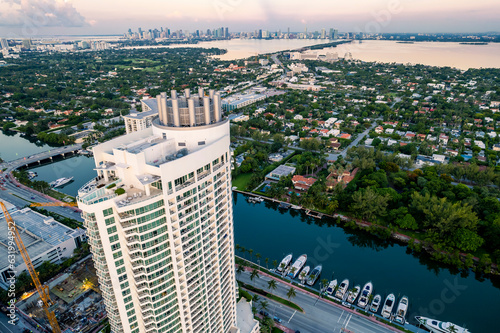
(302, 183)
(343, 178)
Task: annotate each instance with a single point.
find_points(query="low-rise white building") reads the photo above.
(45, 239)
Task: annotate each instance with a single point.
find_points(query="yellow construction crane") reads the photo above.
(50, 204)
(43, 290)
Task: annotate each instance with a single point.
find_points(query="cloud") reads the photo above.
(40, 13)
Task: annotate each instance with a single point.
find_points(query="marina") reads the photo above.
(337, 250)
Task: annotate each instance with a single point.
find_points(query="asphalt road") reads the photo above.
(319, 315)
(335, 156)
(6, 327)
(21, 197)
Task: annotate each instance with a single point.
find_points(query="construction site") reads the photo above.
(78, 304)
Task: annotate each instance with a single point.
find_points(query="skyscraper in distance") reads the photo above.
(159, 221)
(4, 44)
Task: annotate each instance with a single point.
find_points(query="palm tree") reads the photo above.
(254, 310)
(269, 322)
(254, 274)
(240, 269)
(255, 298)
(258, 256)
(267, 263)
(291, 293)
(292, 270)
(302, 275)
(264, 305)
(282, 266)
(243, 250)
(237, 247)
(272, 285)
(453, 329)
(324, 284)
(250, 251)
(275, 263)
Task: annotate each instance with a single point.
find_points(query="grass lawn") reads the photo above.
(60, 196)
(241, 181)
(271, 296)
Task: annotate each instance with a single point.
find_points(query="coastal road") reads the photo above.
(22, 196)
(319, 316)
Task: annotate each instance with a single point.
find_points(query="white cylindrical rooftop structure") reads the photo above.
(217, 108)
(175, 110)
(184, 111)
(206, 108)
(192, 119)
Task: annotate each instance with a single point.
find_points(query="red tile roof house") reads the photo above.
(302, 183)
(345, 178)
(410, 136)
(345, 136)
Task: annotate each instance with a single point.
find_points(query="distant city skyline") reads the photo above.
(31, 18)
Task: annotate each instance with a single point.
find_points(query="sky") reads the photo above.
(32, 18)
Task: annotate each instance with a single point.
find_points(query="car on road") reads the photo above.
(32, 198)
(346, 304)
(264, 313)
(277, 319)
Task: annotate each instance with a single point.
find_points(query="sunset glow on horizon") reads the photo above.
(115, 17)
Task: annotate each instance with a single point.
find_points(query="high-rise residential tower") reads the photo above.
(4, 44)
(159, 221)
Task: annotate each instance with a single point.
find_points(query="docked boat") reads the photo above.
(401, 310)
(331, 287)
(365, 295)
(284, 263)
(254, 199)
(344, 285)
(32, 175)
(303, 274)
(437, 326)
(353, 294)
(297, 266)
(311, 279)
(388, 306)
(375, 303)
(61, 181)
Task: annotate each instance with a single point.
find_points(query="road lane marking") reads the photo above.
(292, 316)
(341, 316)
(6, 327)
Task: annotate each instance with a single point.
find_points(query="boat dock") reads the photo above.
(314, 214)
